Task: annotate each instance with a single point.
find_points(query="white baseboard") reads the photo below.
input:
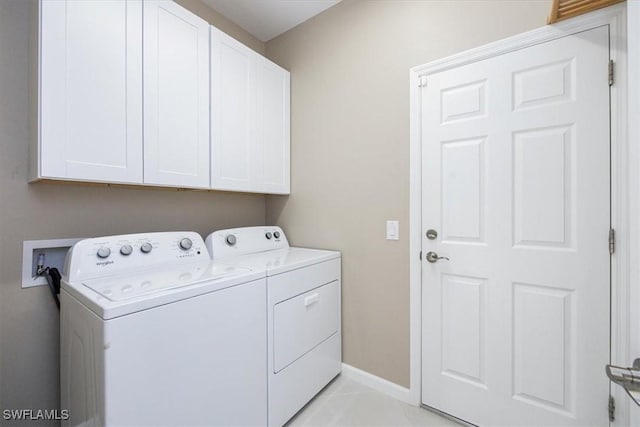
(379, 384)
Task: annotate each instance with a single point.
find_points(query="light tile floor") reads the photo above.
(346, 402)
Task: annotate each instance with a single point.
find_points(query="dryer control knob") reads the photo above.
(231, 240)
(276, 234)
(185, 244)
(126, 250)
(104, 252)
(268, 235)
(146, 248)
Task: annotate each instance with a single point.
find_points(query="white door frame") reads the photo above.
(633, 37)
(625, 182)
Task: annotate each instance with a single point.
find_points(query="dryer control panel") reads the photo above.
(246, 240)
(105, 256)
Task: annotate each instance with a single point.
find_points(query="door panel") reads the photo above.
(544, 84)
(542, 177)
(516, 182)
(464, 102)
(464, 342)
(543, 377)
(463, 190)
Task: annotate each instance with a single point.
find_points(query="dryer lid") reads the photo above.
(283, 260)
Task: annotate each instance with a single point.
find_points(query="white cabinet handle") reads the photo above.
(311, 299)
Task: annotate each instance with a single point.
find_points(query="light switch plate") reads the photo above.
(393, 230)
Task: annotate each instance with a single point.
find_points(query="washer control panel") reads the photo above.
(102, 256)
(247, 240)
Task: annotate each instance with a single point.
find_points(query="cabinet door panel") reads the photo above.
(272, 127)
(91, 91)
(232, 75)
(176, 99)
(249, 119)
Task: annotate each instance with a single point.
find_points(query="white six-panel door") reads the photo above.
(91, 91)
(516, 183)
(176, 97)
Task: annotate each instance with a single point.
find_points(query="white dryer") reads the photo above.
(155, 333)
(303, 316)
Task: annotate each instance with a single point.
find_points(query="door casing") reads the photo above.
(625, 173)
(633, 37)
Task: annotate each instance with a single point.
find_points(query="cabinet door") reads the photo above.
(176, 97)
(232, 78)
(249, 119)
(91, 91)
(272, 127)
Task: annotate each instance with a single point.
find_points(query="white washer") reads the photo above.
(303, 317)
(155, 333)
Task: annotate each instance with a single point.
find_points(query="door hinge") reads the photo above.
(611, 72)
(420, 256)
(422, 81)
(612, 409)
(612, 241)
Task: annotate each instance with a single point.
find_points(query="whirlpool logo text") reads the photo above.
(103, 263)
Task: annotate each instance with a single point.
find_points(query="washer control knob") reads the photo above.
(268, 235)
(104, 252)
(276, 234)
(231, 240)
(185, 244)
(126, 250)
(146, 247)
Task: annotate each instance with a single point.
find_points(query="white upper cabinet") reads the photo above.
(125, 97)
(272, 127)
(249, 119)
(90, 91)
(232, 78)
(176, 96)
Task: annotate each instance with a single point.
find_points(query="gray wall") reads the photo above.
(28, 317)
(350, 147)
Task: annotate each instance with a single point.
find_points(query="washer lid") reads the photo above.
(121, 288)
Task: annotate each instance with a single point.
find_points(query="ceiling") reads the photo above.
(266, 19)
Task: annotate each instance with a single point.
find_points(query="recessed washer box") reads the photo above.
(55, 252)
